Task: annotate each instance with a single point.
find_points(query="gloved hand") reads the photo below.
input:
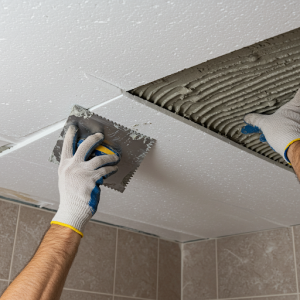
(79, 180)
(280, 129)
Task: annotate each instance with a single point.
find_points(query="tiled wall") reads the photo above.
(111, 264)
(263, 265)
(116, 264)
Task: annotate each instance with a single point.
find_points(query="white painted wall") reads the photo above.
(191, 184)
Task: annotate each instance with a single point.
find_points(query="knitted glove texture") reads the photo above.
(280, 129)
(79, 180)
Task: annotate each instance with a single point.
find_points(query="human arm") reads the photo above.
(45, 275)
(293, 154)
(281, 130)
(79, 180)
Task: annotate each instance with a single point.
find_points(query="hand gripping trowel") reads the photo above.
(130, 145)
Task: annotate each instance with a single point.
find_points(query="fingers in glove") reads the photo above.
(70, 142)
(254, 123)
(256, 120)
(111, 173)
(262, 138)
(103, 173)
(88, 146)
(102, 161)
(250, 129)
(95, 198)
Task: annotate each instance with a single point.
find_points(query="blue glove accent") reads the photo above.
(88, 154)
(94, 152)
(250, 129)
(95, 196)
(262, 138)
(74, 144)
(254, 129)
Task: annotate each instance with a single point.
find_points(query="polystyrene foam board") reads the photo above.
(195, 180)
(38, 182)
(51, 50)
(190, 183)
(40, 99)
(145, 227)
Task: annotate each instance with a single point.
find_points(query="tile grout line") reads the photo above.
(217, 279)
(115, 270)
(157, 272)
(295, 261)
(106, 294)
(34, 136)
(28, 204)
(181, 275)
(83, 291)
(198, 241)
(131, 230)
(14, 245)
(257, 297)
(4, 280)
(134, 297)
(253, 232)
(94, 221)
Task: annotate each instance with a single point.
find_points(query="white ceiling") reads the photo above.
(191, 184)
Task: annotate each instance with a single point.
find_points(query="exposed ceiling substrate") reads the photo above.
(218, 93)
(194, 183)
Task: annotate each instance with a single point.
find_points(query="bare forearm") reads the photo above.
(44, 276)
(294, 157)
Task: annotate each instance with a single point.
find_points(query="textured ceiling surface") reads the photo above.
(50, 50)
(220, 92)
(55, 54)
(190, 185)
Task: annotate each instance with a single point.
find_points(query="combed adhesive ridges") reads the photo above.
(218, 93)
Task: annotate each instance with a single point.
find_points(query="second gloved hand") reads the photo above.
(79, 180)
(280, 129)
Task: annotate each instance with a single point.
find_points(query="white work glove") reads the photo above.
(280, 129)
(79, 180)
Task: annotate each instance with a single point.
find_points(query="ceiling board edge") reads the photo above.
(203, 129)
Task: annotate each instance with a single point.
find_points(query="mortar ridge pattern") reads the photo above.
(218, 94)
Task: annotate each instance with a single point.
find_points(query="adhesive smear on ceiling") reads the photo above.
(218, 93)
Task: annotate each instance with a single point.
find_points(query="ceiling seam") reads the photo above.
(166, 228)
(48, 130)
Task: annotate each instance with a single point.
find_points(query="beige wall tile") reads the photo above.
(76, 295)
(297, 249)
(256, 264)
(122, 298)
(33, 224)
(8, 221)
(93, 268)
(136, 265)
(199, 271)
(3, 286)
(169, 279)
(287, 297)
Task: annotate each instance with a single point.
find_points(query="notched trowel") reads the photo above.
(133, 146)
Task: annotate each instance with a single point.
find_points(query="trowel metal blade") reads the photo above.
(132, 145)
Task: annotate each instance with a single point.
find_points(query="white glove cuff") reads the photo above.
(287, 148)
(73, 220)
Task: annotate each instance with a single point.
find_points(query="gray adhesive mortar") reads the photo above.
(218, 94)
